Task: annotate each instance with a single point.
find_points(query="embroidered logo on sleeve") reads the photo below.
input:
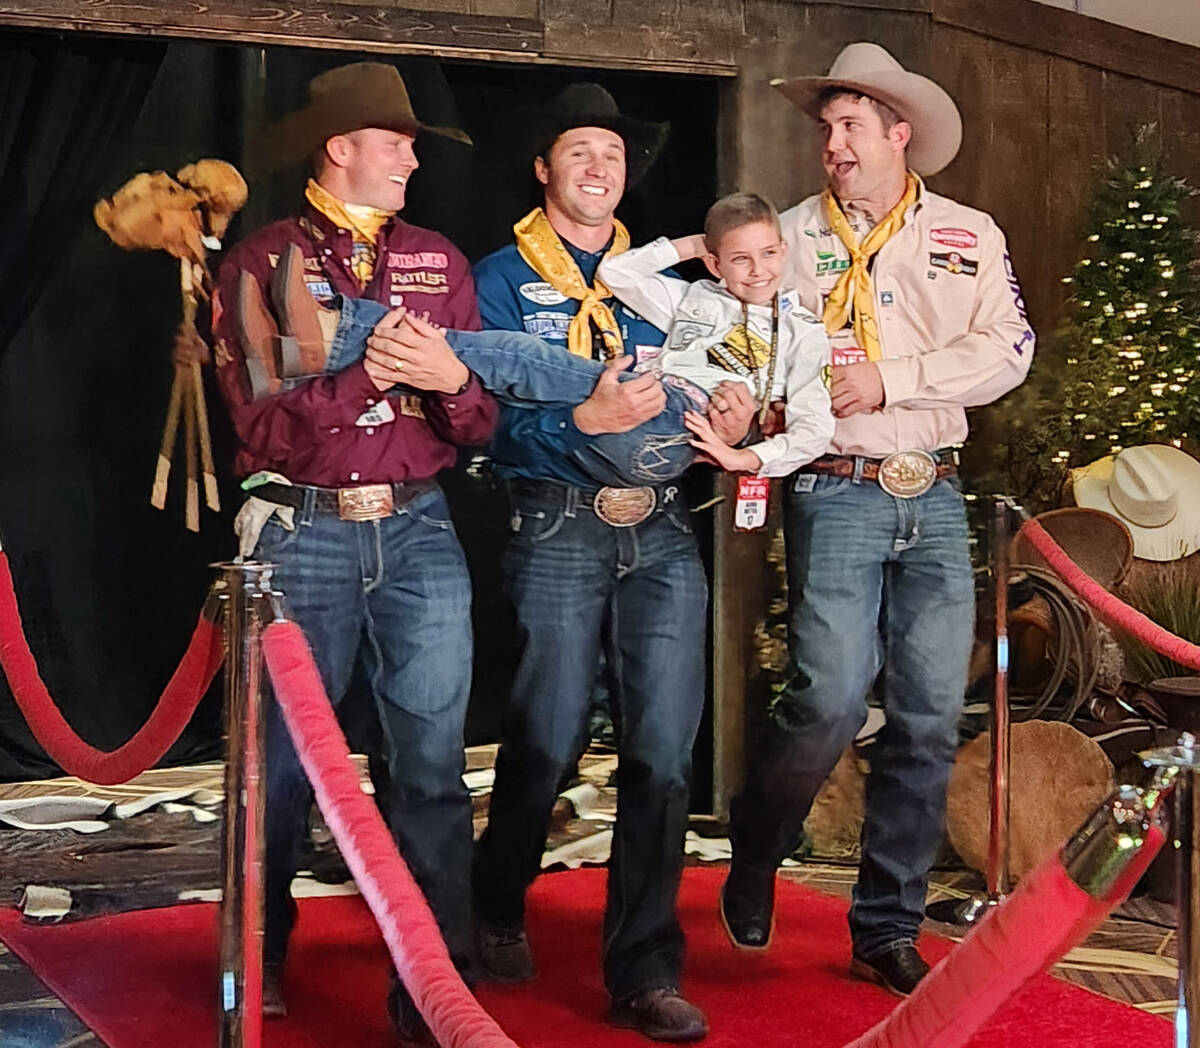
(953, 262)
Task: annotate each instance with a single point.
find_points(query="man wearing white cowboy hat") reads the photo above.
(925, 318)
(1155, 490)
(341, 466)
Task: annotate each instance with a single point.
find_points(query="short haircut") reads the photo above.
(734, 211)
(887, 114)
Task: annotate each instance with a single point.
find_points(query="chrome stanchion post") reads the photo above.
(998, 767)
(245, 592)
(1184, 757)
(969, 910)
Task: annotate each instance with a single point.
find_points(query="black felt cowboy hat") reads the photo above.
(348, 98)
(586, 104)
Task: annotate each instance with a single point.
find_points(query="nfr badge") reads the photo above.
(753, 498)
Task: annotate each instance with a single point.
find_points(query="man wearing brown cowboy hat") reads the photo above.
(925, 318)
(341, 466)
(586, 567)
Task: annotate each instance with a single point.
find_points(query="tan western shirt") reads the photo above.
(952, 324)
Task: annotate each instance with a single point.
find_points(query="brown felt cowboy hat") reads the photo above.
(348, 98)
(870, 70)
(586, 104)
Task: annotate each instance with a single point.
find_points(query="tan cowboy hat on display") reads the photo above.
(1155, 490)
(868, 69)
(348, 98)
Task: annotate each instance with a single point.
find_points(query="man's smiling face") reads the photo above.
(861, 153)
(584, 174)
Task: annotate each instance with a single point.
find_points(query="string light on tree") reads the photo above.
(1124, 368)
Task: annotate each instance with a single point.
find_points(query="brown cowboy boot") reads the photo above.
(258, 335)
(299, 317)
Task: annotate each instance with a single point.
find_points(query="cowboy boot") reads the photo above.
(258, 334)
(303, 345)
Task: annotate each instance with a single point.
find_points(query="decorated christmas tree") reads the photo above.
(1123, 368)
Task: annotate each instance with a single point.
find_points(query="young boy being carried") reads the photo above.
(746, 330)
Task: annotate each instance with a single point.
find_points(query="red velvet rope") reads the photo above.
(179, 700)
(1045, 917)
(455, 1017)
(1112, 609)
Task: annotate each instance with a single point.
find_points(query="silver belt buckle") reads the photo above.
(370, 502)
(907, 474)
(624, 507)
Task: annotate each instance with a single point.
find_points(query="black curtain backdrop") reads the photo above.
(109, 587)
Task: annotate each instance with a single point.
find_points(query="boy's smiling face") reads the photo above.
(750, 261)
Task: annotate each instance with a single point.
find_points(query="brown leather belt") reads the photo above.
(369, 502)
(843, 466)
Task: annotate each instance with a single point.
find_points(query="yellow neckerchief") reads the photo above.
(541, 247)
(856, 280)
(363, 221)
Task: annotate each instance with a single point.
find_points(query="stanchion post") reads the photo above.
(1187, 1011)
(1184, 757)
(246, 594)
(998, 783)
(972, 908)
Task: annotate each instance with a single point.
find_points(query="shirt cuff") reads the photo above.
(768, 451)
(470, 396)
(900, 376)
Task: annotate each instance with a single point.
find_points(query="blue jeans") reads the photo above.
(873, 581)
(577, 583)
(522, 370)
(396, 591)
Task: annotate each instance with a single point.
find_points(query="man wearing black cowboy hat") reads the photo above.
(617, 566)
(341, 466)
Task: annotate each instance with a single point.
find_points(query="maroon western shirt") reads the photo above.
(319, 433)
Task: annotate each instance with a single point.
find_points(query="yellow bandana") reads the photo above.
(857, 279)
(363, 221)
(540, 246)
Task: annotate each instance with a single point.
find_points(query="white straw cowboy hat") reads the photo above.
(1155, 490)
(868, 69)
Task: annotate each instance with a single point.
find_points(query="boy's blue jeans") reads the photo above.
(873, 581)
(524, 371)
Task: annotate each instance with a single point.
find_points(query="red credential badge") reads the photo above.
(753, 498)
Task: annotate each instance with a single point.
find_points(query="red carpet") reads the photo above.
(147, 979)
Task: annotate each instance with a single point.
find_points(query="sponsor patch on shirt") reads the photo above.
(420, 280)
(954, 237)
(953, 262)
(417, 260)
(685, 332)
(542, 293)
(319, 289)
(887, 298)
(547, 325)
(646, 357)
(828, 262)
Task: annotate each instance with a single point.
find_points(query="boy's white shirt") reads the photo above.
(701, 315)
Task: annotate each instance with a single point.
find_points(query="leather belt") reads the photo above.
(905, 474)
(617, 507)
(369, 502)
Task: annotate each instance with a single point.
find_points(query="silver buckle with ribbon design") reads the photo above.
(624, 507)
(907, 474)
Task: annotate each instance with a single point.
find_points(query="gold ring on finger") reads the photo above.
(397, 364)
